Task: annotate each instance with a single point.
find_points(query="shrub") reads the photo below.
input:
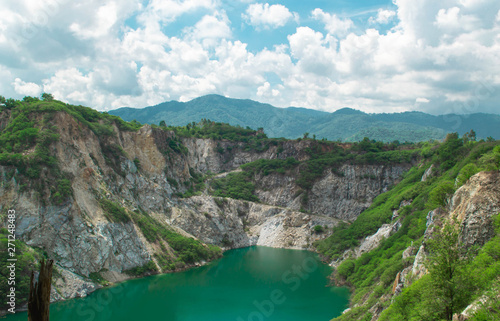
(114, 212)
(318, 229)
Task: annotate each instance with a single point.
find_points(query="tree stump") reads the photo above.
(39, 297)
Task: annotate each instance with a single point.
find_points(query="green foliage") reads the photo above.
(373, 273)
(440, 193)
(345, 236)
(235, 185)
(450, 151)
(318, 229)
(346, 268)
(490, 161)
(451, 284)
(173, 182)
(137, 163)
(114, 212)
(489, 310)
(324, 155)
(62, 190)
(176, 145)
(187, 250)
(26, 139)
(113, 153)
(465, 173)
(26, 262)
(47, 97)
(148, 268)
(269, 166)
(96, 277)
(195, 184)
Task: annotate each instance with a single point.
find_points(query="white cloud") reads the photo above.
(448, 18)
(268, 16)
(167, 11)
(104, 20)
(211, 28)
(422, 100)
(27, 88)
(333, 24)
(383, 16)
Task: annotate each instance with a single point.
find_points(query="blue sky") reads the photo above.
(373, 55)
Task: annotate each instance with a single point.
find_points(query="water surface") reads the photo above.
(250, 284)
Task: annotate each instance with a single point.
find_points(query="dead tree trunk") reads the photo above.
(39, 297)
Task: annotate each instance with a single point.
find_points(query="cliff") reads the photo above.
(394, 271)
(107, 201)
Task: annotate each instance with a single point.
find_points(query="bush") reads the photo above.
(187, 250)
(114, 212)
(346, 268)
(235, 185)
(440, 193)
(147, 268)
(318, 229)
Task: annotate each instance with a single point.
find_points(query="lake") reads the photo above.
(249, 284)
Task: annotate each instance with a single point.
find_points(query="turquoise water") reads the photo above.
(250, 284)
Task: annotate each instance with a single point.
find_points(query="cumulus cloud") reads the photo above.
(422, 100)
(383, 17)
(267, 16)
(333, 24)
(211, 28)
(26, 88)
(167, 11)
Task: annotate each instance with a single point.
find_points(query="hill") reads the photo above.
(345, 124)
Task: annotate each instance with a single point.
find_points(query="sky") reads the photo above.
(372, 55)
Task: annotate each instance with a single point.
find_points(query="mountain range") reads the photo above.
(345, 124)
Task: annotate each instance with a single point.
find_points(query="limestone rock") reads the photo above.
(474, 204)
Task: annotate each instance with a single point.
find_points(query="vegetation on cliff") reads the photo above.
(26, 258)
(455, 280)
(373, 273)
(27, 132)
(320, 156)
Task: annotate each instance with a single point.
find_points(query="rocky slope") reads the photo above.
(343, 193)
(471, 207)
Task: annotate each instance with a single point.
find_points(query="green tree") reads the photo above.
(449, 151)
(306, 135)
(10, 103)
(163, 123)
(469, 137)
(451, 286)
(466, 172)
(438, 196)
(47, 97)
(318, 229)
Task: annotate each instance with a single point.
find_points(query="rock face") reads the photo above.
(234, 223)
(342, 194)
(474, 204)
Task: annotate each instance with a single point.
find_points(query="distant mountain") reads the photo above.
(345, 124)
